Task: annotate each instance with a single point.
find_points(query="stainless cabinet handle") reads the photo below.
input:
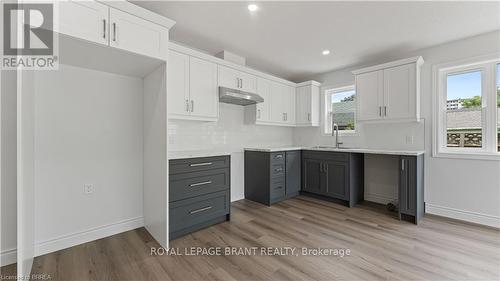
(200, 210)
(114, 31)
(402, 164)
(278, 170)
(187, 105)
(380, 111)
(192, 105)
(286, 116)
(200, 183)
(385, 110)
(200, 164)
(104, 28)
(258, 113)
(241, 83)
(279, 156)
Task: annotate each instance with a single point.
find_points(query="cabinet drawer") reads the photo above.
(193, 211)
(277, 190)
(198, 164)
(278, 170)
(326, 155)
(277, 157)
(188, 185)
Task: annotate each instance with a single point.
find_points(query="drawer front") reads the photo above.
(278, 170)
(277, 190)
(198, 164)
(193, 184)
(277, 157)
(326, 155)
(192, 211)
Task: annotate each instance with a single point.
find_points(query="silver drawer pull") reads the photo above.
(200, 183)
(278, 170)
(279, 156)
(200, 210)
(200, 164)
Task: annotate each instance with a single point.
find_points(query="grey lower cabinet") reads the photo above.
(411, 188)
(271, 177)
(199, 193)
(333, 175)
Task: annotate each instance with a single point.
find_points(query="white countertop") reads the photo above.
(196, 153)
(326, 148)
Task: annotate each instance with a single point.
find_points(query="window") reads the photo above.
(340, 107)
(466, 121)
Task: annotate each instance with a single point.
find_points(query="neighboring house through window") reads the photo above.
(340, 108)
(467, 119)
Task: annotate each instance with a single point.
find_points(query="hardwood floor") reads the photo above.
(382, 248)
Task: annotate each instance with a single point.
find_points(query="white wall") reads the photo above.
(8, 218)
(457, 188)
(89, 130)
(229, 134)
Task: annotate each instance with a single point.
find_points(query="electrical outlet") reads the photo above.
(409, 139)
(88, 188)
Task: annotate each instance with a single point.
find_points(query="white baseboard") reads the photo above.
(378, 198)
(92, 234)
(463, 215)
(8, 257)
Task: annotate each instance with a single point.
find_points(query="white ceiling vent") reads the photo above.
(225, 55)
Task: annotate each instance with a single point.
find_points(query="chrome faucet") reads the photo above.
(335, 132)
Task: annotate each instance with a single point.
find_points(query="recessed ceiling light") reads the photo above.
(253, 7)
(325, 52)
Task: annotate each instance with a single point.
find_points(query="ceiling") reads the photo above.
(287, 38)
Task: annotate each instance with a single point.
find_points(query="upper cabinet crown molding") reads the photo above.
(418, 60)
(390, 91)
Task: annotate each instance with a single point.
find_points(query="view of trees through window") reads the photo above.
(343, 107)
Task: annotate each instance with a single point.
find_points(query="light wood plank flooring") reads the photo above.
(382, 248)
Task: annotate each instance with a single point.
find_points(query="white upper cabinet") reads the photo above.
(400, 88)
(137, 35)
(263, 110)
(370, 95)
(203, 89)
(389, 91)
(307, 105)
(104, 24)
(290, 101)
(234, 79)
(86, 20)
(192, 88)
(178, 85)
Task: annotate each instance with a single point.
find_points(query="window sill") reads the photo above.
(467, 155)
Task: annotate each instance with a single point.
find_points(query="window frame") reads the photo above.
(328, 91)
(487, 65)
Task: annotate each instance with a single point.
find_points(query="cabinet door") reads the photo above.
(86, 20)
(400, 92)
(303, 105)
(277, 104)
(407, 186)
(291, 103)
(337, 175)
(312, 175)
(263, 110)
(137, 35)
(203, 90)
(293, 171)
(228, 77)
(178, 84)
(248, 82)
(369, 95)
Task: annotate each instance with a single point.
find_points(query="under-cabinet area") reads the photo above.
(273, 175)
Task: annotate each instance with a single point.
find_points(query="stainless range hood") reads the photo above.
(238, 97)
